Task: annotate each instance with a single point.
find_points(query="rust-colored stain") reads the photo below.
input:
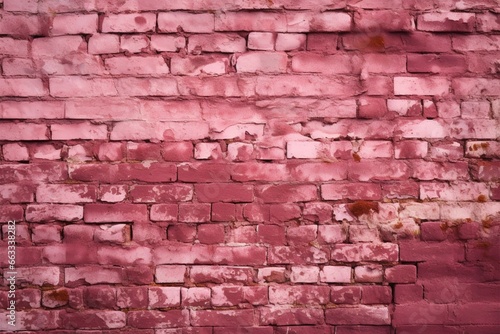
(356, 157)
(360, 208)
(487, 223)
(482, 198)
(376, 42)
(60, 295)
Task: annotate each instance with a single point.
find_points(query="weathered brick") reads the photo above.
(384, 20)
(224, 43)
(135, 65)
(197, 23)
(74, 24)
(265, 62)
(446, 21)
(250, 21)
(196, 65)
(129, 22)
(22, 87)
(316, 63)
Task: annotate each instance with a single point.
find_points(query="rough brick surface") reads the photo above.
(250, 166)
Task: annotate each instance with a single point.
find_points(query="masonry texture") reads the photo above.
(251, 166)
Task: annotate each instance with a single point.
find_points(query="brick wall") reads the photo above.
(251, 166)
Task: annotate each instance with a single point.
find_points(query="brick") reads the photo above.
(158, 319)
(162, 297)
(372, 107)
(181, 233)
(167, 43)
(373, 294)
(92, 275)
(290, 42)
(170, 274)
(263, 41)
(80, 130)
(281, 316)
(299, 295)
(332, 234)
(411, 149)
(375, 4)
(221, 274)
(48, 212)
(265, 62)
(384, 252)
(80, 87)
(287, 193)
(222, 317)
(94, 319)
(384, 20)
(250, 21)
(422, 129)
(316, 63)
(187, 22)
(108, 108)
(28, 6)
(231, 296)
(421, 86)
(129, 22)
(476, 43)
(420, 313)
(164, 212)
(15, 193)
(148, 172)
(161, 193)
(130, 297)
(327, 22)
(361, 315)
(194, 212)
(383, 63)
(62, 193)
(135, 65)
(336, 274)
(22, 87)
(223, 212)
(196, 65)
(368, 273)
(373, 170)
(378, 85)
(446, 21)
(204, 172)
(305, 85)
(224, 192)
(46, 234)
(134, 43)
(477, 149)
(473, 110)
(353, 191)
(22, 26)
(74, 24)
(401, 274)
(211, 234)
(408, 293)
(104, 44)
(476, 86)
(57, 46)
(487, 22)
(111, 213)
(223, 43)
(205, 151)
(18, 66)
(196, 297)
(424, 63)
(462, 191)
(13, 47)
(436, 252)
(322, 42)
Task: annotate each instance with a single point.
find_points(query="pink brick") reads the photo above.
(167, 43)
(158, 319)
(135, 65)
(401, 274)
(476, 43)
(224, 43)
(353, 191)
(13, 47)
(476, 86)
(81, 87)
(336, 274)
(162, 297)
(383, 63)
(57, 46)
(361, 315)
(47, 152)
(196, 297)
(170, 274)
(22, 87)
(446, 21)
(376, 4)
(28, 6)
(196, 65)
(104, 43)
(48, 212)
(372, 107)
(463, 191)
(15, 152)
(411, 149)
(422, 129)
(286, 193)
(299, 295)
(134, 43)
(368, 273)
(197, 23)
(304, 274)
(385, 20)
(477, 149)
(222, 274)
(18, 66)
(373, 294)
(316, 63)
(372, 170)
(263, 41)
(39, 276)
(62, 193)
(108, 108)
(378, 85)
(171, 131)
(419, 63)
(164, 212)
(177, 151)
(23, 131)
(78, 131)
(265, 62)
(111, 213)
(31, 25)
(250, 21)
(194, 212)
(211, 234)
(305, 85)
(74, 24)
(129, 22)
(474, 110)
(330, 21)
(118, 233)
(290, 42)
(132, 297)
(282, 316)
(421, 86)
(487, 22)
(448, 109)
(322, 42)
(332, 234)
(363, 234)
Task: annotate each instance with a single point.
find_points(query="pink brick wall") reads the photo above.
(251, 166)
